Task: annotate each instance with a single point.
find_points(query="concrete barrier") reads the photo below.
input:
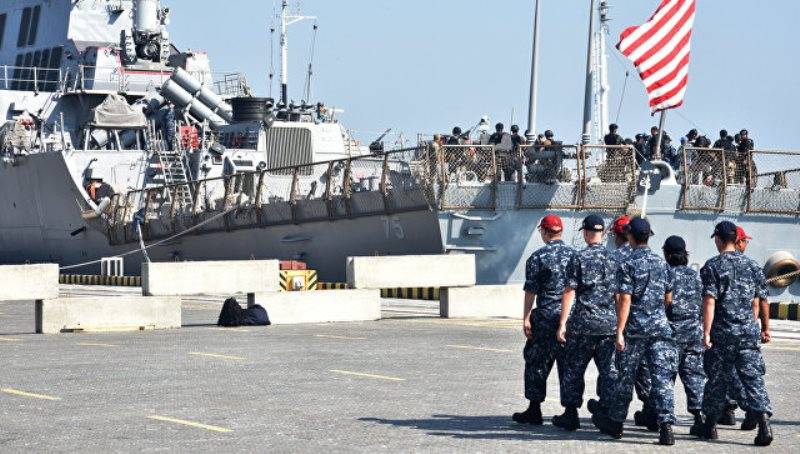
(483, 301)
(209, 278)
(452, 270)
(289, 308)
(28, 282)
(107, 314)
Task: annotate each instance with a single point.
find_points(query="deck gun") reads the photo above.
(377, 146)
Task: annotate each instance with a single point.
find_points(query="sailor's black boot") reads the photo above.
(764, 437)
(594, 406)
(708, 430)
(750, 421)
(569, 420)
(646, 418)
(728, 417)
(607, 425)
(533, 415)
(665, 435)
(697, 426)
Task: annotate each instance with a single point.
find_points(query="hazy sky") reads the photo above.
(427, 65)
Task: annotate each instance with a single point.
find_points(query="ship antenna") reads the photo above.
(286, 20)
(587, 100)
(310, 73)
(531, 132)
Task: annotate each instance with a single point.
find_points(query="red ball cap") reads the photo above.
(620, 224)
(552, 223)
(742, 235)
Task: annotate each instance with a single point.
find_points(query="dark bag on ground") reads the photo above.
(232, 315)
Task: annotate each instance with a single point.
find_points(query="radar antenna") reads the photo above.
(287, 19)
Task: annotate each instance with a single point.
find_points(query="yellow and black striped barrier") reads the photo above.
(784, 311)
(93, 279)
(417, 293)
(298, 280)
(332, 286)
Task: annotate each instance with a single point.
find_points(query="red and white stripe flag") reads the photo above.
(660, 51)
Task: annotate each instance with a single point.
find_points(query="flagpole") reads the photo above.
(657, 152)
(587, 100)
(530, 134)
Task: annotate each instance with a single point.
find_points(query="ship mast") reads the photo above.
(287, 19)
(531, 132)
(600, 72)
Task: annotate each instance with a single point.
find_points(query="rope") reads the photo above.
(783, 276)
(158, 243)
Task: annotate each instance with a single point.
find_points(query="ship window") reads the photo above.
(17, 72)
(24, 27)
(55, 57)
(27, 76)
(36, 75)
(45, 74)
(2, 28)
(37, 10)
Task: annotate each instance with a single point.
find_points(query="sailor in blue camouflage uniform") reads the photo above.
(729, 418)
(545, 279)
(643, 332)
(587, 330)
(684, 316)
(646, 417)
(731, 335)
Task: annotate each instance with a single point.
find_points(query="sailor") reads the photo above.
(642, 152)
(684, 316)
(517, 141)
(643, 331)
(721, 143)
(545, 279)
(503, 145)
(735, 392)
(646, 417)
(731, 335)
(322, 113)
(483, 130)
(455, 138)
(743, 158)
(587, 331)
(613, 139)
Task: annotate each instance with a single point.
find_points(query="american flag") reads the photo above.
(660, 51)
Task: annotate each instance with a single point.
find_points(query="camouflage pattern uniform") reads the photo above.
(591, 325)
(733, 282)
(648, 335)
(545, 276)
(685, 315)
(643, 382)
(736, 392)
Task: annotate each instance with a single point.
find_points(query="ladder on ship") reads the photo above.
(172, 168)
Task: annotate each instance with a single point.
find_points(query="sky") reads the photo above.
(424, 66)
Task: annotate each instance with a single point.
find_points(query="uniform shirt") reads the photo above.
(763, 289)
(591, 273)
(645, 276)
(730, 279)
(622, 253)
(685, 312)
(545, 276)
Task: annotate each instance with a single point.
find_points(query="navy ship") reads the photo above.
(117, 143)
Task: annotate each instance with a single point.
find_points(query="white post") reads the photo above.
(531, 132)
(657, 152)
(587, 101)
(284, 55)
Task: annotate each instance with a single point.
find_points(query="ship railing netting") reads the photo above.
(753, 181)
(457, 177)
(110, 78)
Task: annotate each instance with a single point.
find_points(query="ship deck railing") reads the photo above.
(108, 79)
(452, 178)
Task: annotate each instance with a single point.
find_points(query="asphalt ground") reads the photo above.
(409, 383)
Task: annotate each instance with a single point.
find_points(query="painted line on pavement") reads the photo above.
(94, 344)
(331, 336)
(10, 339)
(359, 374)
(483, 349)
(216, 355)
(785, 349)
(17, 392)
(197, 425)
(231, 330)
